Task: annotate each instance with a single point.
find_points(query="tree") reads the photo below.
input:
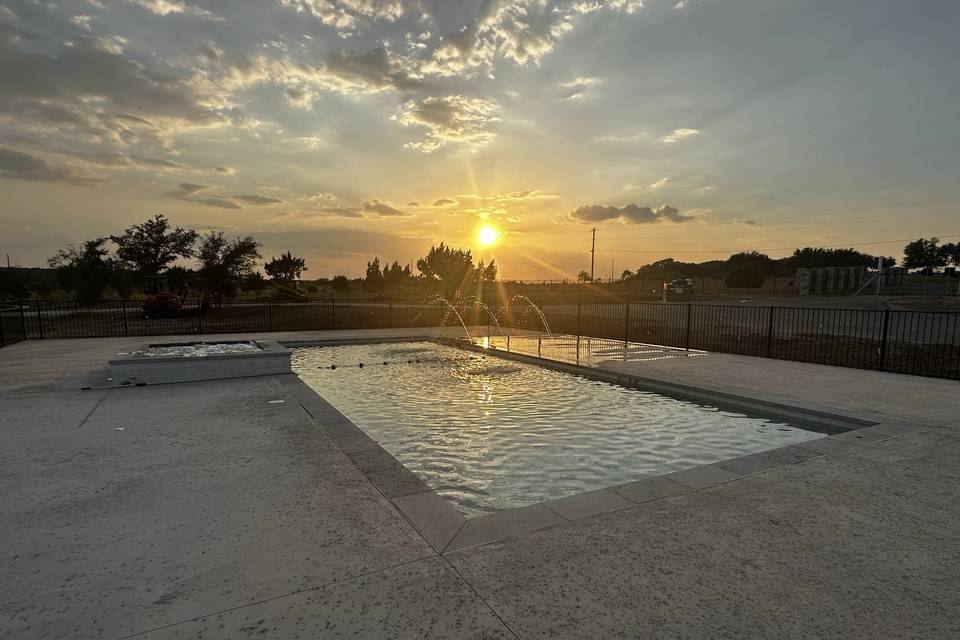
(85, 270)
(626, 275)
(286, 269)
(450, 267)
(952, 252)
(745, 276)
(925, 254)
(394, 274)
(813, 257)
(340, 284)
(224, 263)
(486, 273)
(758, 261)
(373, 280)
(122, 278)
(583, 276)
(152, 246)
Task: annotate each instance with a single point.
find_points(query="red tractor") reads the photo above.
(159, 299)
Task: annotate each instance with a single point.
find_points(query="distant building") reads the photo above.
(812, 281)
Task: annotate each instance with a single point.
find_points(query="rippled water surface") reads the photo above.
(491, 434)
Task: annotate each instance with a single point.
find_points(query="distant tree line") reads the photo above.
(217, 268)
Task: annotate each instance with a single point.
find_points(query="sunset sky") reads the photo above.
(347, 129)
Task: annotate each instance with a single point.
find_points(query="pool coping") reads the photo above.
(448, 530)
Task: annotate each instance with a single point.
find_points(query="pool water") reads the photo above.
(492, 434)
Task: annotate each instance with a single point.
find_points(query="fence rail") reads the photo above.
(914, 342)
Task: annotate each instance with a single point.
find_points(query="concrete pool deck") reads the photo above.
(202, 510)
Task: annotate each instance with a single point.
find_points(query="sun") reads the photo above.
(487, 235)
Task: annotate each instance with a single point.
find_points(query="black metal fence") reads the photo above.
(914, 342)
(920, 343)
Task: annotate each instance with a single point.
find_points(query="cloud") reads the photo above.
(197, 194)
(444, 202)
(746, 222)
(628, 214)
(211, 52)
(88, 93)
(344, 15)
(159, 163)
(449, 119)
(257, 200)
(577, 88)
(172, 7)
(83, 21)
(375, 207)
(659, 183)
(17, 165)
(522, 31)
(679, 134)
(323, 207)
(346, 72)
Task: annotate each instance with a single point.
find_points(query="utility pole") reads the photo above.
(879, 272)
(593, 252)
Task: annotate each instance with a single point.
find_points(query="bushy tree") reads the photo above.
(394, 274)
(450, 267)
(123, 278)
(152, 246)
(583, 276)
(745, 276)
(925, 253)
(286, 269)
(952, 252)
(340, 284)
(486, 273)
(373, 279)
(813, 257)
(224, 263)
(86, 270)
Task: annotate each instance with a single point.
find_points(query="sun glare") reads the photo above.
(487, 235)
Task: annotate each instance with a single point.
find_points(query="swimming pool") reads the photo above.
(490, 434)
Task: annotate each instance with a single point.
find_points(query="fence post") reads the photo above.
(39, 319)
(23, 321)
(3, 339)
(333, 312)
(123, 310)
(578, 332)
(390, 313)
(770, 330)
(687, 341)
(200, 320)
(269, 314)
(626, 323)
(883, 339)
